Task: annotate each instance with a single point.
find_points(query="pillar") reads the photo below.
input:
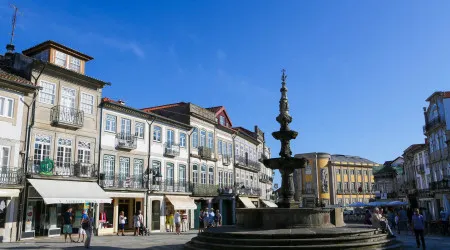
(96, 216)
(233, 213)
(116, 215)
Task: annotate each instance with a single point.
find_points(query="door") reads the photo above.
(156, 215)
(126, 128)
(67, 111)
(197, 214)
(227, 210)
(123, 206)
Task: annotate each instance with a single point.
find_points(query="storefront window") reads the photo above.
(3, 205)
(106, 214)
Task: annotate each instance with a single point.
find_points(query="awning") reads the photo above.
(247, 202)
(181, 202)
(69, 192)
(126, 194)
(9, 192)
(269, 203)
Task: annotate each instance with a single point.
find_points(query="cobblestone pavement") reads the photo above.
(166, 241)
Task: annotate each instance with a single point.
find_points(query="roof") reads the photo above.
(39, 47)
(215, 109)
(351, 159)
(165, 106)
(445, 94)
(5, 75)
(219, 109)
(414, 147)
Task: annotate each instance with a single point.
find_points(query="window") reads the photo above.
(47, 93)
(222, 120)
(352, 186)
(211, 175)
(195, 138)
(202, 138)
(339, 187)
(3, 209)
(364, 172)
(4, 158)
(358, 172)
(156, 168)
(138, 169)
(338, 171)
(84, 152)
(41, 149)
(195, 174)
(6, 107)
(139, 130)
(345, 185)
(125, 128)
(169, 173)
(352, 172)
(109, 162)
(230, 179)
(75, 64)
(63, 157)
(366, 186)
(230, 150)
(124, 167)
(219, 147)
(61, 59)
(110, 125)
(182, 140)
(221, 178)
(203, 175)
(345, 171)
(170, 137)
(157, 133)
(182, 174)
(87, 103)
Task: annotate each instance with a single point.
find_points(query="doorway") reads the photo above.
(156, 215)
(124, 205)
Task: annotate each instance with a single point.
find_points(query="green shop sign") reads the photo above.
(47, 166)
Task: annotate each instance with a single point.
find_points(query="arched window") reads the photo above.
(169, 173)
(156, 169)
(195, 138)
(211, 175)
(195, 174)
(203, 175)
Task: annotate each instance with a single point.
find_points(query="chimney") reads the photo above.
(121, 102)
(9, 51)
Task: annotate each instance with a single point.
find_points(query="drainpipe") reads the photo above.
(233, 152)
(148, 166)
(317, 180)
(22, 196)
(188, 145)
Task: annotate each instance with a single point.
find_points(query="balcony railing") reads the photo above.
(204, 152)
(67, 117)
(226, 190)
(244, 162)
(169, 185)
(50, 168)
(265, 178)
(171, 150)
(308, 191)
(431, 124)
(226, 160)
(248, 191)
(122, 181)
(126, 141)
(440, 185)
(11, 176)
(204, 189)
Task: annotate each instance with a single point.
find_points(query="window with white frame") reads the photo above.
(220, 178)
(156, 167)
(139, 130)
(4, 158)
(202, 138)
(157, 133)
(195, 138)
(182, 174)
(230, 179)
(211, 175)
(75, 64)
(222, 120)
(41, 150)
(169, 173)
(138, 168)
(230, 150)
(125, 127)
(170, 137)
(84, 152)
(195, 174)
(61, 59)
(124, 167)
(110, 124)
(6, 107)
(109, 162)
(64, 157)
(219, 147)
(87, 103)
(182, 140)
(47, 93)
(203, 175)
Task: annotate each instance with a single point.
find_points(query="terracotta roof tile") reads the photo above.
(4, 74)
(150, 109)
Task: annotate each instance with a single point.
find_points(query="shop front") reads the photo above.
(47, 200)
(9, 203)
(129, 203)
(185, 205)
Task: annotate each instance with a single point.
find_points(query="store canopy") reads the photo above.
(357, 204)
(181, 202)
(269, 203)
(69, 192)
(247, 202)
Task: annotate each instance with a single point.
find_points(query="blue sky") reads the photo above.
(358, 71)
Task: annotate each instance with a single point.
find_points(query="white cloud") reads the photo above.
(221, 55)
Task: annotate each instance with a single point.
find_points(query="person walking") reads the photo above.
(122, 220)
(218, 218)
(138, 221)
(396, 221)
(177, 222)
(67, 228)
(201, 222)
(184, 221)
(89, 227)
(81, 230)
(171, 222)
(418, 224)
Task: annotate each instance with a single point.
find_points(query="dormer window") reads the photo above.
(68, 62)
(61, 59)
(222, 120)
(75, 64)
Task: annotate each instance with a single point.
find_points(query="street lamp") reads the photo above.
(156, 175)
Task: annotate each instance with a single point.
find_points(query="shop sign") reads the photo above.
(47, 166)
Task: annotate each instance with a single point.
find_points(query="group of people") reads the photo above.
(177, 220)
(138, 223)
(86, 226)
(209, 219)
(380, 220)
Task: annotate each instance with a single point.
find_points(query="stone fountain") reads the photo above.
(289, 226)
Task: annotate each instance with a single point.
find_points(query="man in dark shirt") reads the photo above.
(67, 228)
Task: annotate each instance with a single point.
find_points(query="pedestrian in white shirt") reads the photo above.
(177, 219)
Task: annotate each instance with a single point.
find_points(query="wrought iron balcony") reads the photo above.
(48, 167)
(245, 163)
(204, 152)
(226, 160)
(169, 185)
(204, 189)
(11, 176)
(440, 185)
(264, 178)
(126, 141)
(431, 124)
(171, 150)
(66, 117)
(308, 191)
(226, 190)
(122, 181)
(248, 191)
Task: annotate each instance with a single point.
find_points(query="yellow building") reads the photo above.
(334, 179)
